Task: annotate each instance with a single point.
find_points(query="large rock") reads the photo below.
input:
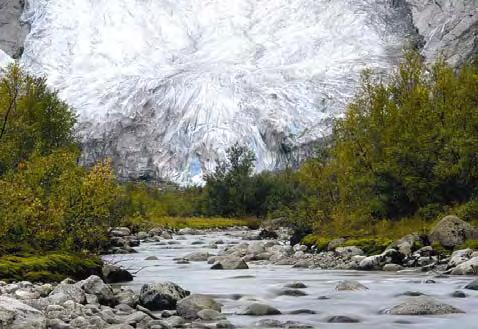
(423, 305)
(350, 285)
(349, 251)
(190, 306)
(17, 315)
(120, 231)
(115, 274)
(259, 309)
(470, 267)
(197, 256)
(12, 29)
(405, 244)
(452, 231)
(161, 296)
(458, 257)
(66, 291)
(230, 263)
(95, 286)
(473, 285)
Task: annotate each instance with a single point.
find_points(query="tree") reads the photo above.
(32, 119)
(229, 189)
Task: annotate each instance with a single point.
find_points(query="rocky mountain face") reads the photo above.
(164, 88)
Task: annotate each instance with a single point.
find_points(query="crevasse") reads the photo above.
(165, 87)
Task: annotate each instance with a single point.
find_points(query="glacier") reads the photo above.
(165, 87)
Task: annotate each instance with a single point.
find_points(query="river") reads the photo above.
(262, 282)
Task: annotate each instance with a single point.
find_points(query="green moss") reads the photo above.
(370, 245)
(440, 250)
(319, 242)
(50, 267)
(468, 244)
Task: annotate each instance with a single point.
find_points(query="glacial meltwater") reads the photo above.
(263, 282)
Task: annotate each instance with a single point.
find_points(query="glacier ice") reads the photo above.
(5, 60)
(164, 87)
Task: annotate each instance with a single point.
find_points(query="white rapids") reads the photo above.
(238, 288)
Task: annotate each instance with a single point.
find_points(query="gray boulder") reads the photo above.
(210, 315)
(350, 285)
(230, 263)
(392, 267)
(371, 262)
(451, 231)
(473, 285)
(115, 274)
(66, 291)
(197, 256)
(95, 286)
(459, 256)
(258, 309)
(349, 251)
(120, 231)
(405, 244)
(17, 315)
(161, 296)
(470, 267)
(190, 306)
(423, 305)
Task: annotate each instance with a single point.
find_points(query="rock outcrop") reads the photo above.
(13, 30)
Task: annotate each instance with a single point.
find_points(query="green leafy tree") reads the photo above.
(229, 189)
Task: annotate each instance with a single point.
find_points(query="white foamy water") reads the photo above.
(238, 288)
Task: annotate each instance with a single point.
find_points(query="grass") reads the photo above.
(49, 267)
(195, 222)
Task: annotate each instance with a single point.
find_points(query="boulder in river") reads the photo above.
(473, 285)
(350, 285)
(161, 295)
(190, 306)
(451, 231)
(342, 319)
(469, 267)
(230, 263)
(296, 285)
(459, 256)
(17, 315)
(210, 315)
(292, 292)
(259, 309)
(423, 305)
(115, 274)
(197, 256)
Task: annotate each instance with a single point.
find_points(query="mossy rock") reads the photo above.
(48, 268)
(369, 245)
(319, 242)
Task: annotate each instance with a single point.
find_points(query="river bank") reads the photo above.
(234, 277)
